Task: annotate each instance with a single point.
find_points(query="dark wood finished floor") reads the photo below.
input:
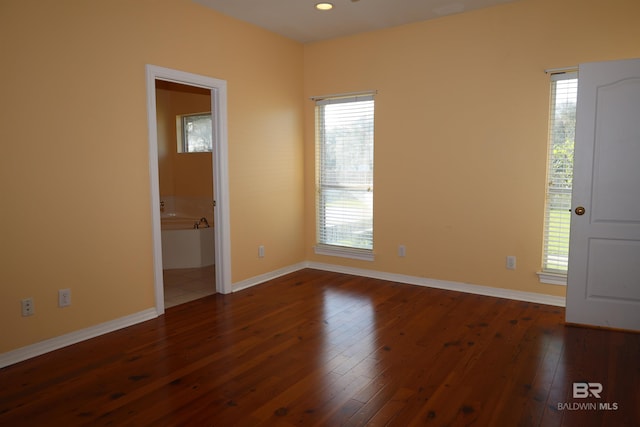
(316, 348)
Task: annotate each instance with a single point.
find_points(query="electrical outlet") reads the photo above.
(27, 307)
(402, 251)
(64, 297)
(261, 251)
(511, 262)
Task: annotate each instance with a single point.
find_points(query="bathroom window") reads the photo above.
(194, 133)
(344, 159)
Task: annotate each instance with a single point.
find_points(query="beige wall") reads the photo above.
(74, 170)
(460, 142)
(461, 131)
(181, 174)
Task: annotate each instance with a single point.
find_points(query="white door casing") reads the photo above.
(220, 170)
(604, 256)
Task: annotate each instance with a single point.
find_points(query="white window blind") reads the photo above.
(562, 125)
(344, 159)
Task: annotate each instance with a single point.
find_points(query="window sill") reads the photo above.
(340, 251)
(552, 278)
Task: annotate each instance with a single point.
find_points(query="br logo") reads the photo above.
(585, 390)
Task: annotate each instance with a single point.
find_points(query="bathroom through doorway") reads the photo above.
(189, 187)
(185, 167)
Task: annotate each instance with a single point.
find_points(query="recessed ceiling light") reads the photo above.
(324, 6)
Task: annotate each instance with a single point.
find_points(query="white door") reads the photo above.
(604, 261)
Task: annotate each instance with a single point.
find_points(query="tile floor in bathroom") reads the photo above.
(187, 284)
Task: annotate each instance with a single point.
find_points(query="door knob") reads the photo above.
(580, 210)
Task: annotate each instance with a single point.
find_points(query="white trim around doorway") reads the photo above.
(220, 174)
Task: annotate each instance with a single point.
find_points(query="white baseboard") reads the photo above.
(24, 353)
(42, 347)
(410, 280)
(443, 284)
(253, 281)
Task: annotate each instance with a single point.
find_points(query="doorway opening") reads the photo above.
(185, 166)
(189, 186)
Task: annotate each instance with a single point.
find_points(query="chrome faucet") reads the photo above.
(196, 224)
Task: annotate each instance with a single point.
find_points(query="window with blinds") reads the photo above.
(344, 159)
(562, 125)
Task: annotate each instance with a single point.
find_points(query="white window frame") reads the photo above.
(325, 185)
(556, 229)
(182, 132)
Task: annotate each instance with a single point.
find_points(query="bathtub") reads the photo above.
(186, 247)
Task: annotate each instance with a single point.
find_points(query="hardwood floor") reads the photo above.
(316, 348)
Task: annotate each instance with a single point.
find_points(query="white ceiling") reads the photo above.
(299, 20)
